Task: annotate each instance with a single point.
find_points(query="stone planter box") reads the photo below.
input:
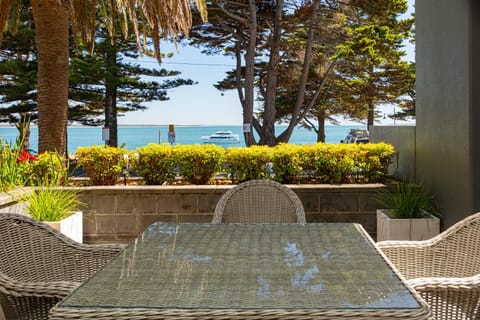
(406, 229)
(72, 226)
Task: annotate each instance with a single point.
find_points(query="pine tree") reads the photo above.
(372, 71)
(109, 82)
(18, 72)
(94, 79)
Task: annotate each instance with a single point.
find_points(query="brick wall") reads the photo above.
(120, 213)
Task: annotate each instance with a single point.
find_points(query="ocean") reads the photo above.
(134, 136)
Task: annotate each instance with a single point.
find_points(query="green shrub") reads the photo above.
(347, 163)
(332, 163)
(308, 153)
(156, 163)
(245, 164)
(377, 158)
(48, 170)
(287, 162)
(103, 165)
(199, 163)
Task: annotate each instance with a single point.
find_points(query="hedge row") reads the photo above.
(199, 164)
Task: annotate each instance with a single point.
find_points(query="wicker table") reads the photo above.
(246, 271)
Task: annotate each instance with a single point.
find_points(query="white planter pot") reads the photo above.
(71, 226)
(406, 229)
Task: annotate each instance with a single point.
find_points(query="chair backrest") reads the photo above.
(33, 251)
(259, 201)
(460, 244)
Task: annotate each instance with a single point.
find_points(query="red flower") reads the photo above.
(26, 156)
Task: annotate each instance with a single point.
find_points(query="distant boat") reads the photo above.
(222, 137)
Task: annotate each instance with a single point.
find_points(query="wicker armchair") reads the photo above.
(444, 270)
(39, 266)
(259, 201)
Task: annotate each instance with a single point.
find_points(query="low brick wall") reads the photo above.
(120, 213)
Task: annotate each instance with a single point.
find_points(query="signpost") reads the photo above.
(171, 134)
(106, 134)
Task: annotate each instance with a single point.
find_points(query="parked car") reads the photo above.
(357, 136)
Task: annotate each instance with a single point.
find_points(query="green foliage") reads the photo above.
(245, 164)
(373, 160)
(407, 200)
(287, 162)
(326, 163)
(333, 163)
(199, 163)
(156, 163)
(347, 163)
(51, 204)
(370, 70)
(13, 173)
(18, 68)
(103, 165)
(19, 168)
(102, 80)
(356, 61)
(48, 170)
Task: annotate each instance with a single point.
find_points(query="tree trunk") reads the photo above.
(51, 22)
(287, 133)
(250, 75)
(321, 127)
(371, 115)
(111, 85)
(269, 110)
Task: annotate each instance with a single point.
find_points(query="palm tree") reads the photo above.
(52, 18)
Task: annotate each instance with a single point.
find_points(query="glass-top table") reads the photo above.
(246, 271)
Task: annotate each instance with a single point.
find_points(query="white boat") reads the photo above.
(222, 137)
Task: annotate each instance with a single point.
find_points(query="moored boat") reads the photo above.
(222, 137)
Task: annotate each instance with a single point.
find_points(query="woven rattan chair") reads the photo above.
(39, 266)
(259, 201)
(445, 270)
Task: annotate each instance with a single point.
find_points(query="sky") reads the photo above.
(202, 104)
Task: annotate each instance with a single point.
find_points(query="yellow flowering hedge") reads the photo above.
(286, 163)
(102, 164)
(198, 164)
(244, 164)
(155, 163)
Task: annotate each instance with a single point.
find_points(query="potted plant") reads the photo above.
(409, 213)
(58, 207)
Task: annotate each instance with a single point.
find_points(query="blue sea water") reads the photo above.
(133, 137)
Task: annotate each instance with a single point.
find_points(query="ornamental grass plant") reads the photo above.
(407, 200)
(48, 203)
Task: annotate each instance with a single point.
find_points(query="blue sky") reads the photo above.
(201, 104)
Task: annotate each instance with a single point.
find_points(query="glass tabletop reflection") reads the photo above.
(246, 266)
